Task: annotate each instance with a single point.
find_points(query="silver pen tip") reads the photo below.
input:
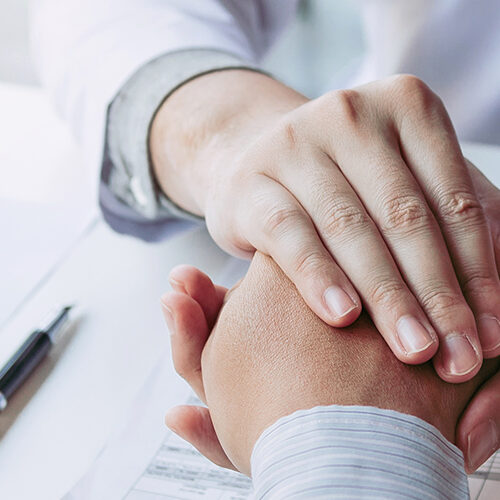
(55, 327)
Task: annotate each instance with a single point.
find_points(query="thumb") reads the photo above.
(478, 431)
(194, 424)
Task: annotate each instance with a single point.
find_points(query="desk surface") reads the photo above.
(58, 422)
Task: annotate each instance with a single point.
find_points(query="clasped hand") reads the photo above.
(361, 196)
(268, 355)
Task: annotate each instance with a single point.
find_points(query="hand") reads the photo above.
(190, 313)
(359, 195)
(191, 322)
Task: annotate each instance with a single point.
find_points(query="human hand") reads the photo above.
(359, 195)
(431, 399)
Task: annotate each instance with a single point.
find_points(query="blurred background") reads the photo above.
(15, 61)
(339, 41)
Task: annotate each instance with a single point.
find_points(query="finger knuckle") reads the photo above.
(412, 87)
(279, 219)
(386, 292)
(459, 206)
(404, 213)
(308, 263)
(420, 101)
(287, 134)
(480, 281)
(344, 104)
(441, 301)
(344, 217)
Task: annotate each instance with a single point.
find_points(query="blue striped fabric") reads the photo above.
(346, 452)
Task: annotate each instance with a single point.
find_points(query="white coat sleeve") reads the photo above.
(87, 50)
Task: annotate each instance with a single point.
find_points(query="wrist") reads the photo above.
(205, 124)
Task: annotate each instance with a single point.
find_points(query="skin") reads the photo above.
(268, 355)
(361, 196)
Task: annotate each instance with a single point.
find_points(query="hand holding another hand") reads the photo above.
(360, 196)
(268, 356)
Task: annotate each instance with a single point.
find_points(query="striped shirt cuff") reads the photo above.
(356, 452)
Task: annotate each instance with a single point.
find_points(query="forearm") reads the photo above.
(208, 122)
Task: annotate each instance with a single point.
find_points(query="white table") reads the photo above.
(58, 422)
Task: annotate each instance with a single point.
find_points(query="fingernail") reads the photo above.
(170, 416)
(482, 441)
(338, 301)
(413, 335)
(489, 333)
(177, 286)
(169, 317)
(459, 356)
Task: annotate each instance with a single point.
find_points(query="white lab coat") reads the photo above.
(86, 49)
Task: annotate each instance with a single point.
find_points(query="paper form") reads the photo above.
(177, 470)
(146, 461)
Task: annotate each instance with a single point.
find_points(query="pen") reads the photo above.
(29, 356)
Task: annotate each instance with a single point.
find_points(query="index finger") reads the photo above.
(191, 281)
(188, 335)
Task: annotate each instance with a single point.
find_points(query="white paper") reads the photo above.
(146, 461)
(485, 482)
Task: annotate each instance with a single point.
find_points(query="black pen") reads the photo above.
(29, 355)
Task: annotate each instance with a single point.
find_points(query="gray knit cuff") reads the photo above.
(127, 170)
